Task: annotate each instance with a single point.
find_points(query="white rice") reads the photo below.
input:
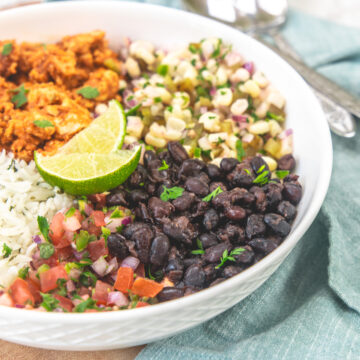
(23, 196)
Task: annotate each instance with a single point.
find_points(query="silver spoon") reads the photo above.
(258, 17)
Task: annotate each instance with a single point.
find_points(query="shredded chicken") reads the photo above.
(52, 75)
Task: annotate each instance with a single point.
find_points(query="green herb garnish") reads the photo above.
(23, 272)
(226, 257)
(206, 153)
(12, 166)
(200, 249)
(19, 99)
(43, 227)
(43, 123)
(281, 174)
(87, 278)
(162, 69)
(164, 166)
(262, 179)
(197, 152)
(6, 251)
(247, 171)
(194, 48)
(106, 233)
(88, 92)
(160, 85)
(202, 92)
(70, 212)
(61, 283)
(49, 302)
(117, 213)
(251, 104)
(193, 62)
(274, 116)
(216, 52)
(240, 152)
(220, 141)
(133, 110)
(82, 240)
(7, 49)
(87, 304)
(212, 195)
(46, 250)
(171, 193)
(157, 100)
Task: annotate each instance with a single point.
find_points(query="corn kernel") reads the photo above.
(218, 137)
(205, 144)
(223, 97)
(128, 140)
(143, 50)
(157, 130)
(240, 75)
(250, 87)
(175, 123)
(211, 121)
(239, 107)
(221, 76)
(271, 163)
(155, 141)
(182, 99)
(276, 99)
(262, 109)
(132, 67)
(173, 135)
(135, 126)
(275, 128)
(272, 147)
(100, 108)
(259, 127)
(260, 79)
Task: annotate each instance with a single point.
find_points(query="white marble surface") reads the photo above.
(346, 12)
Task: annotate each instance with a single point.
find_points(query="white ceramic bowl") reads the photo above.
(168, 28)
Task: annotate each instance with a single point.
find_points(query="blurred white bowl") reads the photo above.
(169, 28)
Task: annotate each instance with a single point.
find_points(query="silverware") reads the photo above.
(259, 17)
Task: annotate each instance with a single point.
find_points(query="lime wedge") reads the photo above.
(84, 174)
(104, 135)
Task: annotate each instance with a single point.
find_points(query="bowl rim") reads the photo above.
(246, 275)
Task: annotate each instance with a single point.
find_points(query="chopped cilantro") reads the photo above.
(82, 240)
(23, 272)
(217, 50)
(194, 48)
(6, 251)
(157, 100)
(46, 250)
(49, 303)
(87, 279)
(88, 92)
(281, 174)
(240, 152)
(169, 108)
(43, 227)
(43, 123)
(212, 195)
(193, 62)
(19, 99)
(200, 249)
(160, 85)
(70, 212)
(7, 49)
(262, 178)
(197, 152)
(61, 283)
(220, 141)
(226, 257)
(162, 69)
(86, 304)
(171, 193)
(202, 92)
(117, 213)
(275, 117)
(133, 110)
(164, 166)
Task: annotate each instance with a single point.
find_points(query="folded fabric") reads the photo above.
(309, 308)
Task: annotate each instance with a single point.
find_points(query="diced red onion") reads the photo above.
(285, 134)
(113, 266)
(126, 220)
(114, 276)
(203, 109)
(37, 239)
(100, 266)
(212, 91)
(19, 306)
(72, 224)
(74, 273)
(36, 255)
(233, 58)
(78, 255)
(70, 286)
(131, 262)
(1, 292)
(88, 209)
(239, 118)
(249, 66)
(112, 224)
(117, 298)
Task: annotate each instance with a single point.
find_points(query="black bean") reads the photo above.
(194, 276)
(117, 245)
(149, 156)
(232, 270)
(292, 192)
(191, 261)
(197, 186)
(273, 195)
(137, 177)
(117, 199)
(260, 198)
(200, 209)
(287, 210)
(222, 200)
(177, 152)
(129, 230)
(180, 229)
(214, 172)
(155, 175)
(214, 185)
(235, 213)
(291, 178)
(204, 178)
(286, 162)
(142, 238)
(214, 253)
(232, 233)
(150, 188)
(210, 272)
(184, 202)
(228, 164)
(257, 163)
(138, 195)
(217, 281)
(174, 264)
(242, 197)
(160, 208)
(191, 167)
(208, 239)
(255, 226)
(170, 293)
(211, 219)
(245, 257)
(277, 224)
(132, 248)
(263, 245)
(239, 177)
(159, 250)
(142, 212)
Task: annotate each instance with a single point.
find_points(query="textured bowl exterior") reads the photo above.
(313, 150)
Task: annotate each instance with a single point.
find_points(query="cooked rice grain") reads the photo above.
(23, 196)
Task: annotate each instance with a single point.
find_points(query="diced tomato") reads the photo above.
(141, 304)
(64, 253)
(102, 290)
(98, 217)
(146, 287)
(64, 302)
(34, 288)
(124, 279)
(57, 228)
(21, 293)
(49, 278)
(6, 300)
(51, 261)
(72, 224)
(90, 227)
(97, 249)
(140, 270)
(78, 215)
(34, 278)
(99, 199)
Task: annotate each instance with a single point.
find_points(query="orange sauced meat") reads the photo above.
(41, 104)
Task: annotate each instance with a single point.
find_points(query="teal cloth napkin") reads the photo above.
(308, 309)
